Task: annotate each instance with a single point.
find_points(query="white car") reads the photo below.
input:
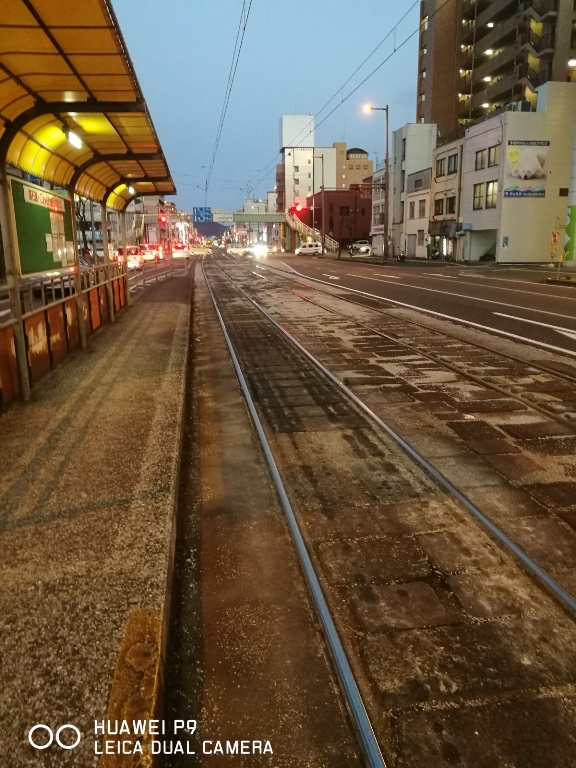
(308, 249)
(362, 248)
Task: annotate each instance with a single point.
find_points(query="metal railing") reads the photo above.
(294, 222)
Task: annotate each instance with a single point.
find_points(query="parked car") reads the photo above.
(362, 248)
(308, 249)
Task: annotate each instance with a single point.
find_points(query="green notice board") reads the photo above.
(43, 225)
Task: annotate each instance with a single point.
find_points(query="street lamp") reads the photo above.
(370, 108)
(322, 229)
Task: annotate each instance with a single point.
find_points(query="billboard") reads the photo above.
(202, 214)
(526, 168)
(44, 227)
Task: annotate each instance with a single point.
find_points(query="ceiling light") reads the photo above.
(131, 190)
(73, 138)
(487, 79)
(489, 52)
(572, 62)
(490, 24)
(485, 105)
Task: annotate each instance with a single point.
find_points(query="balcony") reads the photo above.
(499, 91)
(540, 10)
(496, 10)
(470, 8)
(468, 34)
(539, 45)
(495, 65)
(503, 32)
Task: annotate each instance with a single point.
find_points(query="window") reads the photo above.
(403, 149)
(296, 168)
(422, 209)
(362, 211)
(478, 197)
(423, 73)
(493, 155)
(480, 160)
(402, 210)
(422, 97)
(491, 194)
(450, 205)
(402, 182)
(411, 210)
(417, 183)
(452, 163)
(420, 240)
(425, 23)
(425, 48)
(344, 210)
(439, 207)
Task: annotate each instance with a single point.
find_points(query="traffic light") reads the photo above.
(162, 219)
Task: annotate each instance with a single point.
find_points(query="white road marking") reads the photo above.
(330, 277)
(444, 277)
(380, 274)
(257, 275)
(566, 331)
(532, 342)
(475, 298)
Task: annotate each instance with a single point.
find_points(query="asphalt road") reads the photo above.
(514, 302)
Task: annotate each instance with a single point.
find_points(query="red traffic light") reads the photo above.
(162, 219)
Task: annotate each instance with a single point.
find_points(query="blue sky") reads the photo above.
(295, 57)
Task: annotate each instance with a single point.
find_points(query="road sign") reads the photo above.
(202, 214)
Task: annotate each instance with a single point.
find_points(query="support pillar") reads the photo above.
(570, 244)
(78, 275)
(124, 251)
(13, 281)
(109, 290)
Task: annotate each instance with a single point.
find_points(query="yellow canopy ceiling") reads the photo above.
(64, 67)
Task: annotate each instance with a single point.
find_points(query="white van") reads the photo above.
(308, 249)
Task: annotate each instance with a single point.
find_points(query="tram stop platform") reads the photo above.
(88, 489)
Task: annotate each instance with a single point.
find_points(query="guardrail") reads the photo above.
(43, 312)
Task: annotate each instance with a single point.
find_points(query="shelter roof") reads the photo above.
(64, 67)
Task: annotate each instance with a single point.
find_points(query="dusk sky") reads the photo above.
(295, 58)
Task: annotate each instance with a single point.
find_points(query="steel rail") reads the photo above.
(445, 363)
(557, 590)
(352, 694)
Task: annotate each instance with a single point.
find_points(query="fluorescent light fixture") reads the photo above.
(75, 140)
(487, 79)
(489, 52)
(485, 105)
(490, 24)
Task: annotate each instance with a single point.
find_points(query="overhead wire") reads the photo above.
(345, 98)
(244, 15)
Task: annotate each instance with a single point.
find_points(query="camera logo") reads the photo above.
(50, 736)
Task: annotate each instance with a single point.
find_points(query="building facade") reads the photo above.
(445, 232)
(412, 150)
(515, 181)
(418, 189)
(478, 56)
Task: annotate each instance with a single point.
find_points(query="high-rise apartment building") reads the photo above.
(478, 56)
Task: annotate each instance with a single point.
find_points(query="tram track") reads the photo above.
(423, 599)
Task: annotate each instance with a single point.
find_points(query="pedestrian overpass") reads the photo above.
(291, 229)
